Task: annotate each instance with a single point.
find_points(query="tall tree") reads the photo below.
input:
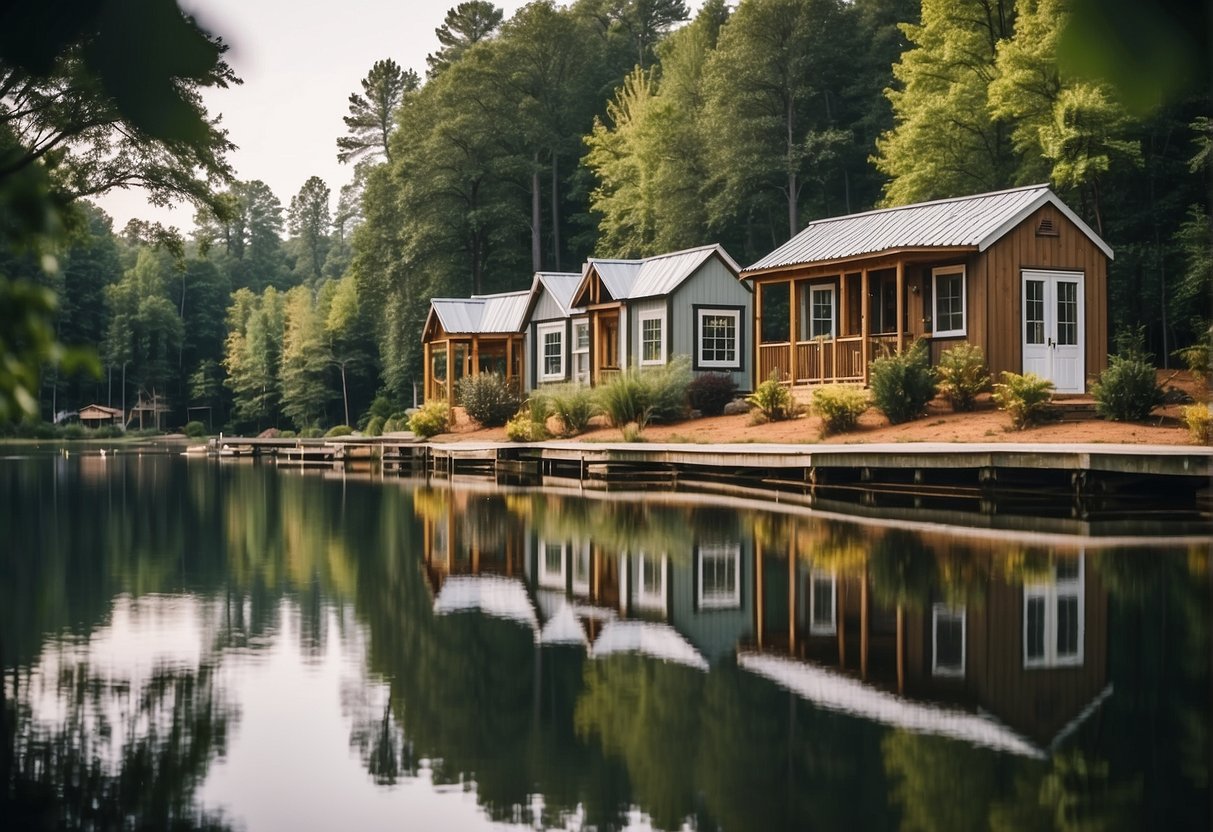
(145, 330)
(640, 23)
(304, 359)
(248, 233)
(945, 141)
(253, 355)
(464, 26)
(373, 113)
(309, 222)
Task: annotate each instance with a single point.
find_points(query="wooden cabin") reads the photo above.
(468, 336)
(96, 415)
(641, 313)
(1015, 272)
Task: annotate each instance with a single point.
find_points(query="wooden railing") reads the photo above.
(773, 358)
(821, 361)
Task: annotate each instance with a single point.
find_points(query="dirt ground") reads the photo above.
(1077, 423)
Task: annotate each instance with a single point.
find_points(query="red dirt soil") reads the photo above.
(985, 424)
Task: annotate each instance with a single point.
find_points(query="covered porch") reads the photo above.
(453, 357)
(606, 353)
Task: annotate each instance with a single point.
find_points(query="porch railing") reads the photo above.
(821, 361)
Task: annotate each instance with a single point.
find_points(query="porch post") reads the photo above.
(792, 333)
(427, 371)
(474, 370)
(596, 333)
(843, 297)
(901, 305)
(757, 336)
(509, 363)
(864, 325)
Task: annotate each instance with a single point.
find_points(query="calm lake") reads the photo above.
(187, 644)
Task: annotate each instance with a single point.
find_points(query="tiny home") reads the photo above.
(557, 333)
(641, 313)
(1015, 272)
(468, 336)
(96, 415)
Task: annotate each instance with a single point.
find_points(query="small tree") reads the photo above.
(488, 399)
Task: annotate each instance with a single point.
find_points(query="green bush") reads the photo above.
(1025, 398)
(312, 432)
(962, 375)
(625, 400)
(194, 429)
(75, 431)
(667, 388)
(287, 434)
(374, 426)
(430, 419)
(839, 406)
(339, 430)
(487, 399)
(773, 401)
(573, 405)
(1199, 419)
(640, 396)
(1128, 390)
(710, 392)
(530, 422)
(107, 432)
(903, 383)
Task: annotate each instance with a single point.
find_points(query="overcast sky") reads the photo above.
(300, 60)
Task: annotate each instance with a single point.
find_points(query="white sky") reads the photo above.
(300, 60)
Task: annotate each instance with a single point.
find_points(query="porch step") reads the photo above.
(1073, 408)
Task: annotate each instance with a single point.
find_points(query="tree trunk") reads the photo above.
(536, 220)
(789, 121)
(345, 396)
(555, 211)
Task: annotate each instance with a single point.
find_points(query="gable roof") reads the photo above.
(480, 314)
(651, 276)
(977, 221)
(560, 285)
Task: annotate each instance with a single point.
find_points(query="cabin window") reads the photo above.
(948, 290)
(718, 338)
(551, 357)
(823, 591)
(581, 337)
(650, 584)
(551, 564)
(719, 567)
(652, 337)
(581, 352)
(947, 640)
(1053, 615)
(822, 313)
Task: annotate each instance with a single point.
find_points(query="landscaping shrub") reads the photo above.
(430, 419)
(962, 375)
(397, 422)
(1128, 390)
(287, 434)
(773, 401)
(640, 396)
(374, 426)
(73, 432)
(573, 405)
(903, 383)
(339, 430)
(107, 432)
(530, 422)
(310, 433)
(625, 400)
(488, 399)
(710, 392)
(667, 389)
(839, 406)
(1025, 397)
(194, 429)
(1199, 419)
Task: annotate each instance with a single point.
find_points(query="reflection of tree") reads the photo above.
(941, 784)
(122, 754)
(903, 570)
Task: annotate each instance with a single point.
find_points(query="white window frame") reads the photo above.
(641, 318)
(655, 600)
(949, 271)
(730, 599)
(579, 557)
(1050, 593)
(818, 576)
(548, 578)
(940, 612)
(706, 311)
(541, 333)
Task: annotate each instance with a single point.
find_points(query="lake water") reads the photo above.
(187, 644)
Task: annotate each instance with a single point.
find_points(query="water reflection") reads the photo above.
(204, 645)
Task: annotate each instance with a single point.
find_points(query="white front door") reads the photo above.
(1054, 328)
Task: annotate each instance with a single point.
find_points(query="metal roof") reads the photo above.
(653, 276)
(560, 285)
(481, 314)
(978, 221)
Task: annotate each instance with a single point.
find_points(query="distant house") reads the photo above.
(96, 415)
(641, 313)
(557, 333)
(1015, 272)
(468, 336)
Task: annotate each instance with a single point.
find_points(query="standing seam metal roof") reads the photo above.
(482, 314)
(654, 276)
(978, 220)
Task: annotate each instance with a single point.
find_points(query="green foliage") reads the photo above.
(1128, 390)
(309, 219)
(374, 426)
(839, 406)
(773, 400)
(573, 406)
(194, 429)
(529, 424)
(373, 113)
(431, 419)
(710, 392)
(488, 399)
(667, 388)
(339, 430)
(1199, 356)
(1025, 398)
(903, 383)
(625, 400)
(311, 432)
(1199, 420)
(962, 375)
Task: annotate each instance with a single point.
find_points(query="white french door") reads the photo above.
(1054, 327)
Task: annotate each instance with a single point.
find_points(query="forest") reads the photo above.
(615, 128)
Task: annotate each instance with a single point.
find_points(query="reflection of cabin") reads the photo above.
(641, 313)
(463, 533)
(96, 415)
(1015, 272)
(1034, 654)
(469, 336)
